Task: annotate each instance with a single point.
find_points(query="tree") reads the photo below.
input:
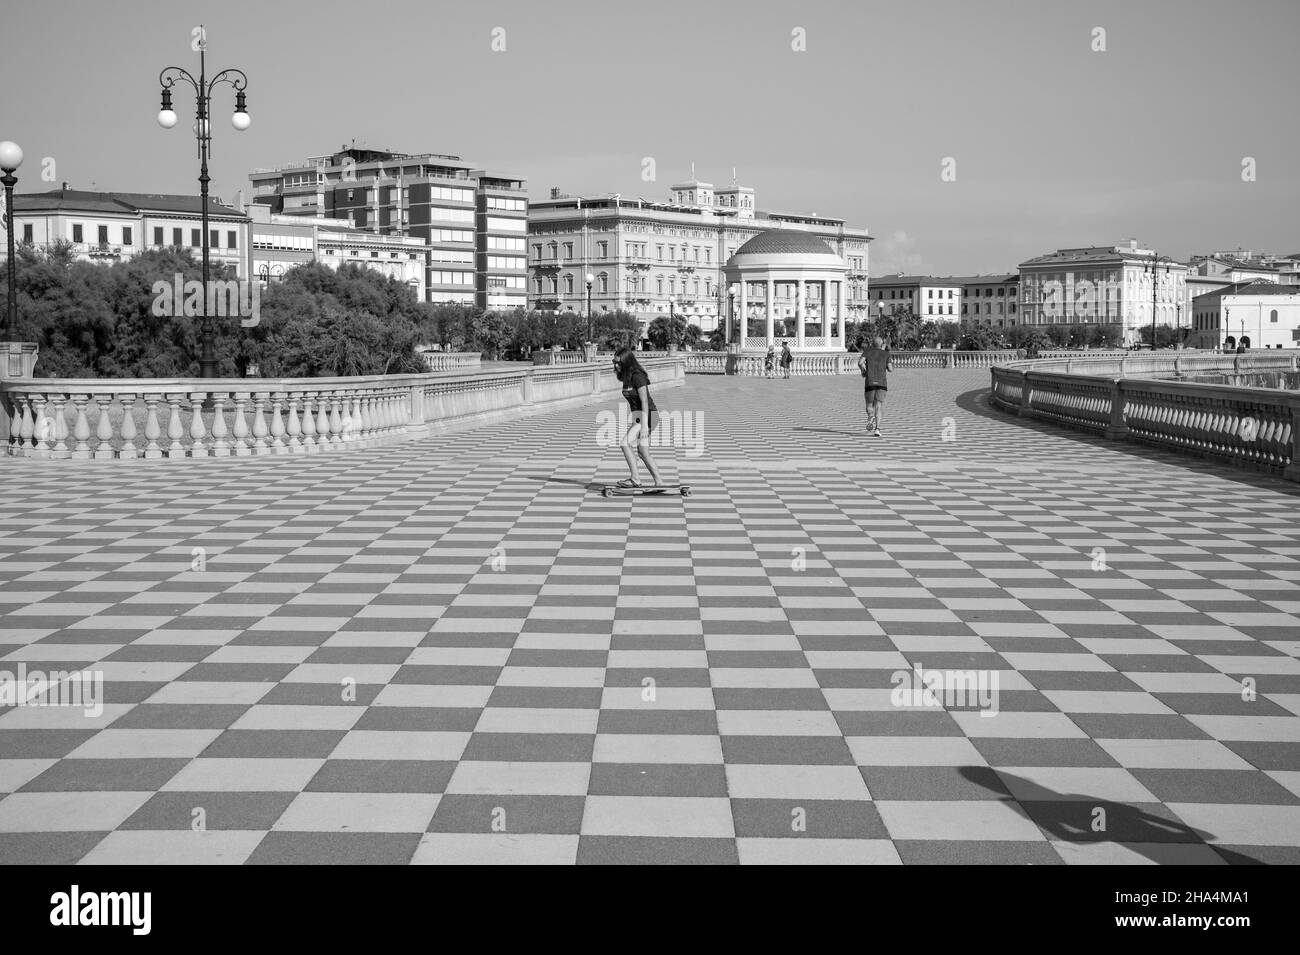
(617, 329)
(1166, 335)
(665, 330)
(978, 338)
(492, 331)
(691, 335)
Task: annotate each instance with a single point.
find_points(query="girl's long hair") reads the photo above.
(625, 363)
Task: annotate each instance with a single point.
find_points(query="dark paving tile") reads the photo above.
(105, 775)
(335, 848)
(807, 819)
(530, 747)
(46, 848)
(257, 811)
(936, 852)
(657, 779)
(509, 814)
(655, 850)
(382, 776)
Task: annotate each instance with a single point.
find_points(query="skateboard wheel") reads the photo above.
(606, 492)
(686, 492)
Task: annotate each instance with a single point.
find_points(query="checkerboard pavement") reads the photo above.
(455, 650)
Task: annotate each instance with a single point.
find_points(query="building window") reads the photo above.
(602, 249)
(103, 234)
(194, 238)
(232, 242)
(76, 232)
(214, 238)
(603, 283)
(568, 284)
(157, 235)
(27, 233)
(126, 235)
(568, 250)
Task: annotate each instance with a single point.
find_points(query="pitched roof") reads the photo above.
(80, 200)
(784, 242)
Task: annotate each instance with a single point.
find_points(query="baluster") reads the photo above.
(355, 431)
(152, 431)
(240, 430)
(197, 429)
(17, 443)
(336, 421)
(277, 425)
(103, 428)
(81, 427)
(260, 431)
(59, 426)
(128, 451)
(42, 428)
(309, 444)
(295, 425)
(322, 421)
(220, 447)
(367, 416)
(175, 430)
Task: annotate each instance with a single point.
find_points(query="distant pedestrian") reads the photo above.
(875, 367)
(769, 362)
(787, 359)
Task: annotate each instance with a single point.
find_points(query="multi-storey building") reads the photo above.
(1259, 313)
(115, 226)
(1245, 265)
(652, 258)
(929, 297)
(280, 242)
(473, 222)
(1103, 285)
(991, 299)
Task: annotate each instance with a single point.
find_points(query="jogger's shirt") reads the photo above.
(877, 367)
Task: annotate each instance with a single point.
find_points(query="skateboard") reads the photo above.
(683, 489)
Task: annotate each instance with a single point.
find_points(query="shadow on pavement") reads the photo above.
(1068, 817)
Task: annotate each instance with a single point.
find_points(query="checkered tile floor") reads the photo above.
(456, 650)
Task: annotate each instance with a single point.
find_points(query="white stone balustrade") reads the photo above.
(1135, 399)
(198, 418)
(462, 361)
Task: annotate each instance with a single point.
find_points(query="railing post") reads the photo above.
(1292, 470)
(1025, 409)
(1118, 428)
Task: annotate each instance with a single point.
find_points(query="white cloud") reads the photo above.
(897, 253)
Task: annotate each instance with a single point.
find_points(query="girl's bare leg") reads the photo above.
(628, 456)
(643, 449)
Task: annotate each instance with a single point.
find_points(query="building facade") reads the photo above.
(116, 226)
(280, 242)
(474, 222)
(1104, 285)
(991, 300)
(1257, 313)
(652, 258)
(929, 297)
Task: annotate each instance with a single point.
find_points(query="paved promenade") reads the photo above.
(457, 650)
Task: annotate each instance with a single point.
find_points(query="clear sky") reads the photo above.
(1054, 144)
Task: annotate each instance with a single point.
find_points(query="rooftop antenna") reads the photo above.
(692, 170)
(733, 175)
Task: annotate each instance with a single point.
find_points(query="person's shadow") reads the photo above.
(1070, 817)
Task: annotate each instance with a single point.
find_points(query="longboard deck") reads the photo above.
(611, 490)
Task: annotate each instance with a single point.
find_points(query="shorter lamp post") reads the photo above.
(590, 279)
(11, 157)
(733, 326)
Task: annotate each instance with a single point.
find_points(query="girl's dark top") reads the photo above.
(786, 357)
(636, 380)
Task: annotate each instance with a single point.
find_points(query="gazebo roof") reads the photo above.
(784, 242)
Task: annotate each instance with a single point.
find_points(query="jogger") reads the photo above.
(875, 367)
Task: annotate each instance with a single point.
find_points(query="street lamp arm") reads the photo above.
(236, 78)
(170, 76)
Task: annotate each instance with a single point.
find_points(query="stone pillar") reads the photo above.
(18, 360)
(771, 295)
(743, 330)
(800, 312)
(839, 310)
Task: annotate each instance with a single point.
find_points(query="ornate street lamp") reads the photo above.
(590, 279)
(733, 326)
(11, 157)
(203, 87)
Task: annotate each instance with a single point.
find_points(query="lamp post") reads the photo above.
(1154, 269)
(203, 87)
(733, 326)
(590, 279)
(11, 157)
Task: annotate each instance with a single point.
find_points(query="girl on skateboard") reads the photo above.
(636, 389)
